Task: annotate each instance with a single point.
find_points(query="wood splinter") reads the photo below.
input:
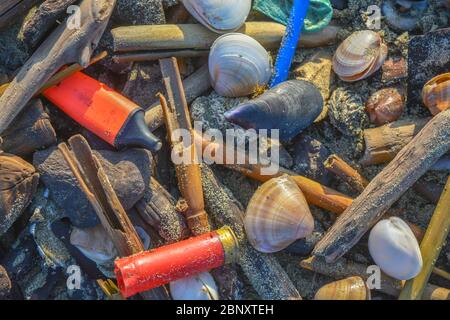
(177, 118)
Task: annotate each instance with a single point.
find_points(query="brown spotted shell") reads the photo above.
(353, 288)
(385, 106)
(18, 183)
(436, 93)
(359, 56)
(277, 215)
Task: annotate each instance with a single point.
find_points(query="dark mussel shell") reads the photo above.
(290, 107)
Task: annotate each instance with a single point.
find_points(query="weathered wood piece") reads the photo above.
(158, 209)
(156, 55)
(177, 117)
(344, 171)
(430, 247)
(195, 36)
(64, 45)
(383, 143)
(18, 184)
(264, 272)
(344, 268)
(31, 132)
(94, 182)
(388, 186)
(43, 19)
(194, 86)
(14, 9)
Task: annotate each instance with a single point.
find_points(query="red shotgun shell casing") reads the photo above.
(151, 269)
(103, 111)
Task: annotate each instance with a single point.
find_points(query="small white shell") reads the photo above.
(238, 65)
(277, 215)
(199, 287)
(394, 249)
(94, 243)
(221, 16)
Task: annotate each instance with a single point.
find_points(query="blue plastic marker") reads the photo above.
(290, 41)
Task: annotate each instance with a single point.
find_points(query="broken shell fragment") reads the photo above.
(436, 93)
(359, 56)
(394, 249)
(291, 107)
(385, 106)
(238, 65)
(353, 288)
(199, 287)
(218, 15)
(277, 215)
(94, 243)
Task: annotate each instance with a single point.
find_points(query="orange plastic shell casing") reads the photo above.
(92, 104)
(151, 269)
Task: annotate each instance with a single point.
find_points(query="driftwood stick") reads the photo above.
(194, 86)
(430, 247)
(156, 55)
(65, 45)
(61, 75)
(344, 171)
(14, 9)
(43, 19)
(388, 186)
(344, 268)
(189, 177)
(264, 272)
(195, 36)
(383, 143)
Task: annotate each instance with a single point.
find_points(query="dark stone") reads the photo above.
(309, 155)
(128, 171)
(428, 57)
(138, 12)
(303, 247)
(339, 4)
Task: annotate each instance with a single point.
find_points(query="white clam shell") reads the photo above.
(221, 16)
(359, 56)
(199, 287)
(277, 215)
(238, 65)
(394, 249)
(94, 243)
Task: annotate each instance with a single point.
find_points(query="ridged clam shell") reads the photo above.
(277, 215)
(199, 287)
(221, 16)
(353, 288)
(238, 65)
(436, 93)
(18, 184)
(359, 56)
(94, 243)
(290, 107)
(394, 249)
